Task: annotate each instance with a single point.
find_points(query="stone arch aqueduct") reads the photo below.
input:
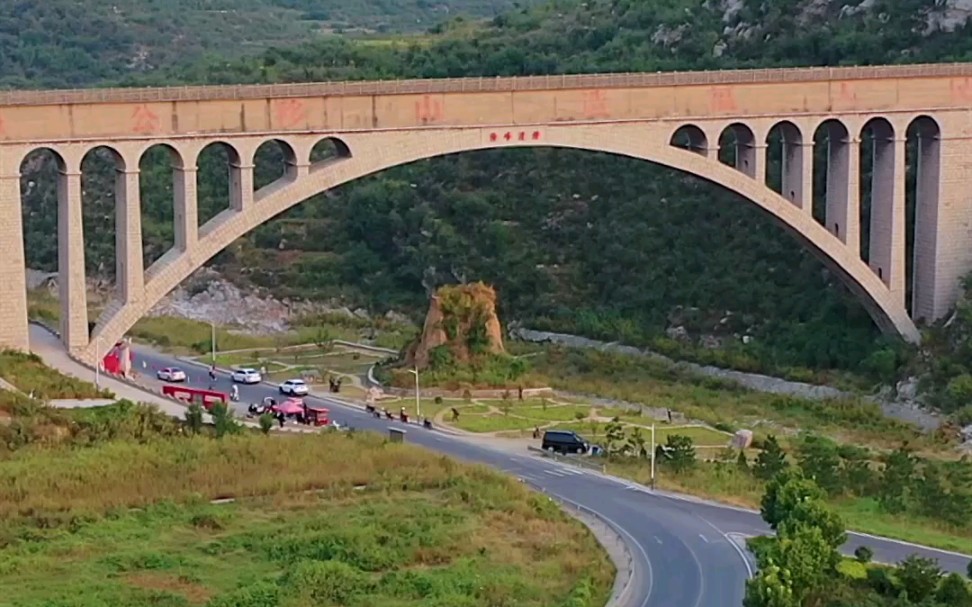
(673, 119)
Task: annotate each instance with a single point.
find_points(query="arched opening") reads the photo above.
(878, 191)
(326, 151)
(923, 161)
(221, 183)
(42, 185)
(692, 138)
(102, 190)
(831, 176)
(160, 179)
(273, 160)
(786, 159)
(737, 148)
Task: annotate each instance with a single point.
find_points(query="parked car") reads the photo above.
(294, 387)
(247, 376)
(171, 374)
(564, 441)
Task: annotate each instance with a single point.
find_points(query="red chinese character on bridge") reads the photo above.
(493, 136)
(536, 135)
(507, 135)
(428, 110)
(290, 113)
(522, 136)
(595, 105)
(145, 121)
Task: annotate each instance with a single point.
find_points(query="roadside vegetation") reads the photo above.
(895, 494)
(801, 567)
(28, 374)
(123, 505)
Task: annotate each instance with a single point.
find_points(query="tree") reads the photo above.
(266, 423)
(919, 577)
(636, 443)
(820, 461)
(681, 452)
(770, 588)
(614, 437)
(784, 492)
(954, 591)
(806, 556)
(223, 420)
(899, 469)
(742, 464)
(194, 418)
(863, 554)
(771, 459)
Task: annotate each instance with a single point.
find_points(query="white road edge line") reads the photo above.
(745, 559)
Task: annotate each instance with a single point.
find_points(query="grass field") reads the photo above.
(28, 374)
(369, 523)
(661, 385)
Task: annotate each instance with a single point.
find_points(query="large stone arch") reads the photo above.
(376, 151)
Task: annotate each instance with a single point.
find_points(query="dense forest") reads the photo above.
(69, 43)
(583, 242)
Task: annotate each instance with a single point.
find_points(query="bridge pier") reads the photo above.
(942, 254)
(887, 243)
(241, 186)
(186, 211)
(70, 261)
(798, 174)
(843, 199)
(13, 282)
(129, 264)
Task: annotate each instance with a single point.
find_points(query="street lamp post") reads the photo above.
(418, 402)
(98, 363)
(212, 340)
(653, 457)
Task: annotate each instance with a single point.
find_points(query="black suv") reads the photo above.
(564, 441)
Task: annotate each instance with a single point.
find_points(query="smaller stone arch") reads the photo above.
(273, 160)
(737, 148)
(882, 217)
(923, 142)
(327, 150)
(690, 137)
(175, 154)
(59, 160)
(109, 152)
(785, 143)
(879, 128)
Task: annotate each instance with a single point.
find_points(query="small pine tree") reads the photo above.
(194, 418)
(742, 463)
(266, 423)
(771, 459)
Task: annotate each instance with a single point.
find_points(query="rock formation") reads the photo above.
(462, 318)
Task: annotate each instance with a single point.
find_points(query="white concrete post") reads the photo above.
(13, 282)
(70, 261)
(129, 264)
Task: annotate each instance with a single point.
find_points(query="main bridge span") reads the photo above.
(679, 120)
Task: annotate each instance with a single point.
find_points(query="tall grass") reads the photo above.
(29, 374)
(324, 519)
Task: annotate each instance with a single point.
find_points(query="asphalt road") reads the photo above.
(683, 548)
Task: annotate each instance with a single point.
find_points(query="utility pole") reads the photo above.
(653, 457)
(418, 402)
(212, 340)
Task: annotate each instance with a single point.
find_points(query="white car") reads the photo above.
(171, 374)
(247, 376)
(294, 387)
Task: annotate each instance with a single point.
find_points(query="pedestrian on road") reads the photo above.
(280, 418)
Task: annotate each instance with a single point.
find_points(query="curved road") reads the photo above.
(683, 548)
